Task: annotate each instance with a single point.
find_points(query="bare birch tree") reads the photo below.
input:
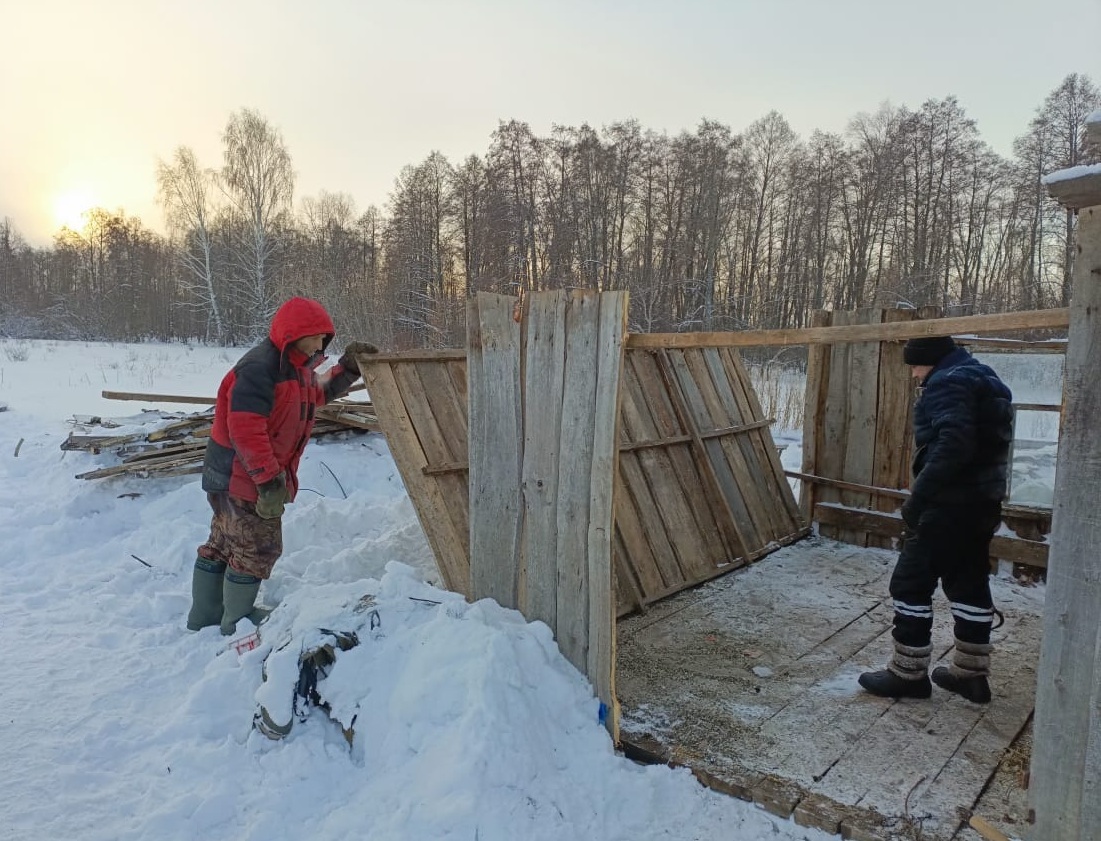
(186, 192)
(259, 182)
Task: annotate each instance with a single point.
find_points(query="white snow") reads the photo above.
(120, 724)
(1071, 172)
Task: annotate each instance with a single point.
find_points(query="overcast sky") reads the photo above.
(92, 94)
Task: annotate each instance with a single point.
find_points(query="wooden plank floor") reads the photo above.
(751, 681)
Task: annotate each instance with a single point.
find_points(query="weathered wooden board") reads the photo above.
(495, 452)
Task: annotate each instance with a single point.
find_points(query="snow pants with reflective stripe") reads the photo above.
(950, 546)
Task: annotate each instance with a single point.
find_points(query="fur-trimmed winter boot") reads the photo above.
(206, 594)
(969, 672)
(906, 676)
(239, 601)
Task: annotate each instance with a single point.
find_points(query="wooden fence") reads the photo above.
(699, 490)
(857, 438)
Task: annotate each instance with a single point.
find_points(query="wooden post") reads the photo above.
(1066, 759)
(814, 411)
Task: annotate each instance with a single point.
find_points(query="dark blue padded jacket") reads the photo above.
(963, 427)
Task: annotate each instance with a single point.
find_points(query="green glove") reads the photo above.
(272, 498)
(348, 360)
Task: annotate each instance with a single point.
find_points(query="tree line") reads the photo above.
(707, 230)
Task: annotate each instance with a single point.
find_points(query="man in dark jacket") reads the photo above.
(262, 421)
(963, 426)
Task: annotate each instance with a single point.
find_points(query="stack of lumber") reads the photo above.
(175, 447)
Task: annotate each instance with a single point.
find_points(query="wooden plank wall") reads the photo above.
(699, 489)
(857, 431)
(542, 464)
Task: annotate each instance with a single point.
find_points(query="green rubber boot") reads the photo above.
(239, 601)
(206, 594)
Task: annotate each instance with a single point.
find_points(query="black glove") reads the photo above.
(272, 498)
(353, 349)
(911, 513)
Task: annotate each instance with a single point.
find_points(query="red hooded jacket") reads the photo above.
(266, 404)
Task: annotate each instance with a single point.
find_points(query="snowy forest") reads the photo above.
(707, 230)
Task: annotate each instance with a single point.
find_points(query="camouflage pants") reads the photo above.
(238, 537)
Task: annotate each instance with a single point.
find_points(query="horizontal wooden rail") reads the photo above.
(1037, 407)
(1015, 549)
(887, 332)
(890, 493)
(630, 446)
(1009, 509)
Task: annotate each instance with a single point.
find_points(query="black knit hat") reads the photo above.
(928, 351)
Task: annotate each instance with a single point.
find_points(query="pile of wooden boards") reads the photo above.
(175, 447)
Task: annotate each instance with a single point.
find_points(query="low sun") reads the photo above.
(71, 207)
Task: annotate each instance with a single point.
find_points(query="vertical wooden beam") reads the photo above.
(1065, 786)
(602, 601)
(575, 476)
(544, 351)
(814, 412)
(493, 359)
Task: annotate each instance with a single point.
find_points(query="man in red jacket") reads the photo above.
(262, 421)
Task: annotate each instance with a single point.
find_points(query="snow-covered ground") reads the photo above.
(120, 724)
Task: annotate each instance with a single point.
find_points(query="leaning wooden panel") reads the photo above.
(700, 474)
(681, 492)
(660, 417)
(720, 412)
(437, 451)
(447, 538)
(772, 471)
(666, 470)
